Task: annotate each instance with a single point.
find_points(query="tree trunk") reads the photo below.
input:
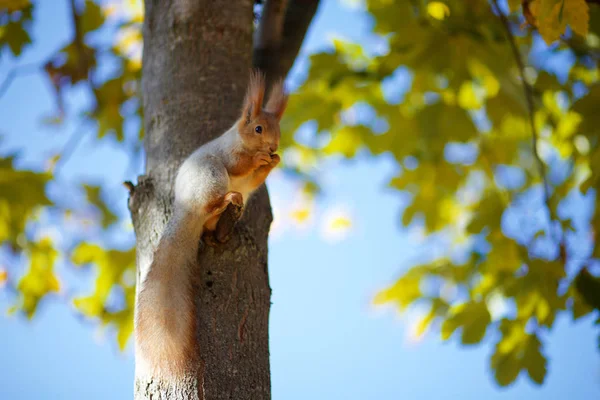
(196, 63)
(197, 59)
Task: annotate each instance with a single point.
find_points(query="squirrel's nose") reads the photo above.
(273, 148)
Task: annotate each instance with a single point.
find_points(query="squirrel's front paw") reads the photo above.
(275, 159)
(261, 158)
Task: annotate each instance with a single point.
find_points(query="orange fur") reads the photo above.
(254, 115)
(254, 95)
(165, 335)
(217, 207)
(278, 99)
(260, 175)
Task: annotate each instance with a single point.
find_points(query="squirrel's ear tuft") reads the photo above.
(254, 95)
(278, 99)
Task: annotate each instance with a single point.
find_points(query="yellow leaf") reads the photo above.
(3, 276)
(340, 223)
(40, 280)
(467, 97)
(567, 125)
(577, 15)
(337, 225)
(300, 215)
(514, 5)
(438, 10)
(405, 291)
(124, 332)
(423, 324)
(552, 17)
(486, 78)
(13, 5)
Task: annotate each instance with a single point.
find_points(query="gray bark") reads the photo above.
(196, 63)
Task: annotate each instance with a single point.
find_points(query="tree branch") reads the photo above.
(69, 147)
(83, 59)
(276, 57)
(78, 39)
(528, 91)
(15, 72)
(270, 29)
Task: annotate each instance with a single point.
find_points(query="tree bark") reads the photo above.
(196, 63)
(197, 58)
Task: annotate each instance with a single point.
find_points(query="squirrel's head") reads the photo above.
(258, 127)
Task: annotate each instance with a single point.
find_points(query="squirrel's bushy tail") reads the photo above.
(165, 320)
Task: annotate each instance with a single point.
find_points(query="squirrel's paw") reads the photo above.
(275, 159)
(262, 158)
(235, 198)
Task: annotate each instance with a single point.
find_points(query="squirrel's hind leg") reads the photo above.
(215, 208)
(217, 231)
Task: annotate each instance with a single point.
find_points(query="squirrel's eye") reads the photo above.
(258, 129)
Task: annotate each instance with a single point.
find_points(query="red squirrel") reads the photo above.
(225, 170)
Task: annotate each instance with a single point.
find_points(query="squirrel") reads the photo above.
(225, 170)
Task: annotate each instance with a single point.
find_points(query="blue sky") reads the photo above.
(327, 341)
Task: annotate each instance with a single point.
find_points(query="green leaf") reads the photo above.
(15, 36)
(438, 308)
(13, 5)
(579, 307)
(534, 361)
(109, 99)
(515, 351)
(537, 292)
(347, 140)
(22, 194)
(472, 317)
(488, 213)
(92, 17)
(514, 5)
(505, 361)
(587, 106)
(588, 286)
(94, 197)
(506, 368)
(468, 97)
(116, 269)
(16, 23)
(405, 291)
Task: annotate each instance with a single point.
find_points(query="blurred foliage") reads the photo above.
(463, 124)
(115, 269)
(23, 194)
